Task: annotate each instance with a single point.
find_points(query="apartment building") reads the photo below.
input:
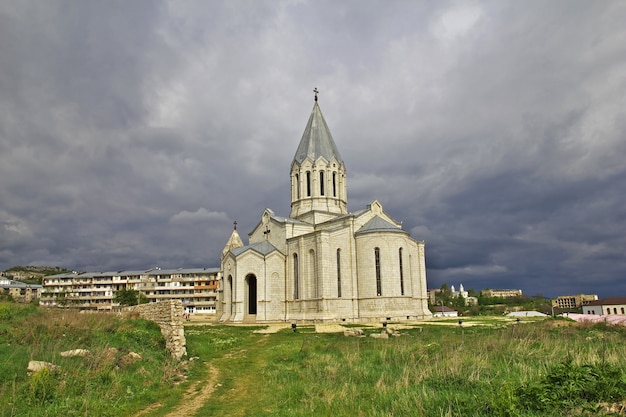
(573, 301)
(195, 287)
(19, 291)
(501, 293)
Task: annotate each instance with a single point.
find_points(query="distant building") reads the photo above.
(460, 293)
(432, 295)
(606, 307)
(501, 293)
(573, 301)
(195, 287)
(19, 291)
(444, 311)
(469, 301)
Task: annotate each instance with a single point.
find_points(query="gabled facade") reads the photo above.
(323, 263)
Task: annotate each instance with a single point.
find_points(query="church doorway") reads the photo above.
(251, 281)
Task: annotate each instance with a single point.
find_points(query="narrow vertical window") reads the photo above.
(401, 273)
(313, 275)
(308, 184)
(298, 185)
(296, 278)
(608, 310)
(334, 184)
(321, 182)
(338, 272)
(379, 290)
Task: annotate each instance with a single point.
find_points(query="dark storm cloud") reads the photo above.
(133, 134)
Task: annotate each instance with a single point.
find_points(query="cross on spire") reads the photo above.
(316, 92)
(235, 224)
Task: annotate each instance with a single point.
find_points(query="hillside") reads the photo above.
(32, 274)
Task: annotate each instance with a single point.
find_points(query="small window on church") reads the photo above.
(298, 185)
(296, 284)
(379, 289)
(321, 182)
(308, 184)
(401, 273)
(338, 272)
(334, 184)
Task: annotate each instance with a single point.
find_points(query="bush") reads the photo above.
(568, 385)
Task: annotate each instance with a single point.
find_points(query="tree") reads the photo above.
(128, 297)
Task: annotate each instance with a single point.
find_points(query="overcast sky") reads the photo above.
(133, 133)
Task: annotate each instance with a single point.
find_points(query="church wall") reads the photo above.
(271, 289)
(418, 271)
(319, 294)
(227, 298)
(276, 235)
(296, 229)
(391, 302)
(388, 243)
(337, 309)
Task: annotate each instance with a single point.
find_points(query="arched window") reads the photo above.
(379, 289)
(622, 310)
(401, 272)
(321, 182)
(338, 272)
(608, 310)
(615, 310)
(308, 184)
(298, 185)
(296, 278)
(313, 275)
(334, 184)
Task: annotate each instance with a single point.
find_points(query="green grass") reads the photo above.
(487, 367)
(104, 383)
(531, 369)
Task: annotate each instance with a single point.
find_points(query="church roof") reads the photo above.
(264, 248)
(316, 140)
(378, 224)
(233, 242)
(281, 219)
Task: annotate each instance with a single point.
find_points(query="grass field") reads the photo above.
(486, 367)
(545, 368)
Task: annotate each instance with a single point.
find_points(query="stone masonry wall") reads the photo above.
(169, 316)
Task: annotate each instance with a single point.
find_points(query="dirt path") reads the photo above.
(194, 398)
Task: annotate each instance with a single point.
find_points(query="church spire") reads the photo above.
(234, 242)
(316, 140)
(317, 171)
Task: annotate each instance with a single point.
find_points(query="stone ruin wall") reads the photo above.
(169, 316)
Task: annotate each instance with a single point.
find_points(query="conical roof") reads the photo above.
(233, 243)
(316, 140)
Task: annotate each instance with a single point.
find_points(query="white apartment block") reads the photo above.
(195, 287)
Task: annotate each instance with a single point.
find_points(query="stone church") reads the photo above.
(322, 263)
